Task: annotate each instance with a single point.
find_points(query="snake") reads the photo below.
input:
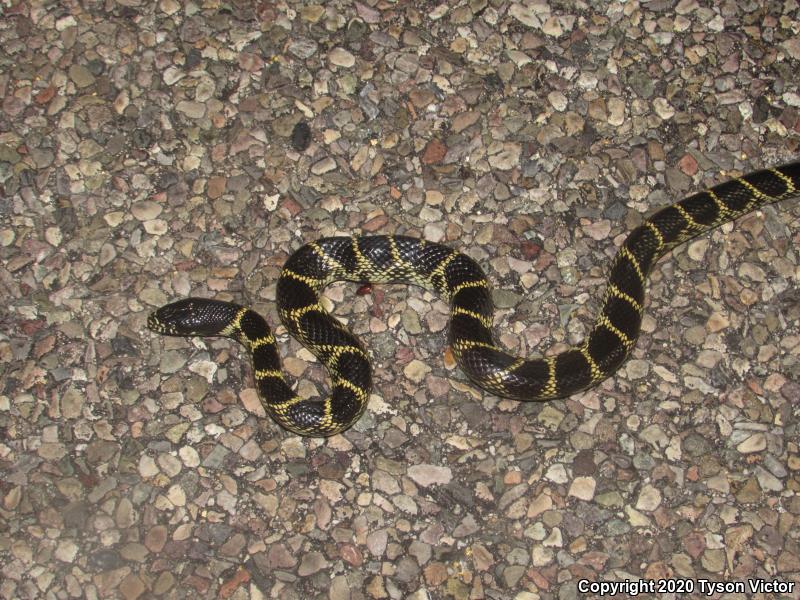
(459, 280)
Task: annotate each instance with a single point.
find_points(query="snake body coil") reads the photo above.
(459, 280)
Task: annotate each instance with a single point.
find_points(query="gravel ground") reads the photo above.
(146, 154)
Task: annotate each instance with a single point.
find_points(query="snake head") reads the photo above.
(194, 316)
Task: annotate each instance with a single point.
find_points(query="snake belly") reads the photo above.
(460, 281)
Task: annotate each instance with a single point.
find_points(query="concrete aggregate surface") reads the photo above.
(155, 150)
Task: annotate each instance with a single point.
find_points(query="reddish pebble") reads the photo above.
(538, 578)
(688, 165)
(31, 327)
(290, 205)
(435, 151)
(45, 95)
(352, 555)
(449, 358)
(404, 355)
(530, 250)
(375, 223)
(694, 543)
(227, 589)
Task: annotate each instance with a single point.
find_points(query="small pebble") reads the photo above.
(428, 475)
(323, 166)
(301, 136)
(341, 58)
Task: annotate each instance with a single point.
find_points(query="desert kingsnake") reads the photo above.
(459, 280)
